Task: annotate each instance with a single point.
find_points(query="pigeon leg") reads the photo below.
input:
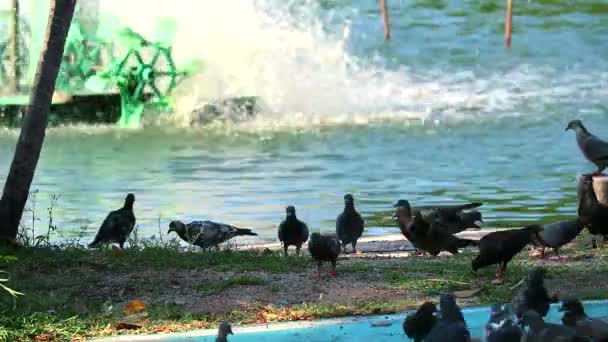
(122, 245)
(593, 243)
(297, 250)
(354, 243)
(542, 253)
(285, 249)
(556, 250)
(333, 268)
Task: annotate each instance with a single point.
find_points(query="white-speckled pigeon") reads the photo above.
(593, 148)
(502, 326)
(117, 226)
(207, 234)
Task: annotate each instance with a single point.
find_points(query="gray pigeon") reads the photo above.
(224, 330)
(534, 295)
(502, 326)
(117, 226)
(555, 235)
(539, 331)
(349, 224)
(324, 248)
(451, 326)
(575, 317)
(593, 148)
(292, 232)
(207, 234)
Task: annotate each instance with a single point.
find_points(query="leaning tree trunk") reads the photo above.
(21, 173)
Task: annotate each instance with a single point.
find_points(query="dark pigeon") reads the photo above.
(502, 326)
(418, 325)
(539, 331)
(224, 330)
(595, 212)
(593, 148)
(451, 326)
(292, 232)
(498, 248)
(574, 316)
(349, 224)
(207, 234)
(451, 217)
(324, 248)
(430, 237)
(557, 234)
(534, 296)
(117, 226)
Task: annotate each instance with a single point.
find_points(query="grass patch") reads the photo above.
(222, 285)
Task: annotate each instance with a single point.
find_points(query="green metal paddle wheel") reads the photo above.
(145, 76)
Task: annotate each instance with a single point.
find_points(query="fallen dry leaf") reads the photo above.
(43, 337)
(128, 326)
(134, 306)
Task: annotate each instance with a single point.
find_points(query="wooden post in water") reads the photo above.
(385, 19)
(508, 23)
(600, 188)
(13, 47)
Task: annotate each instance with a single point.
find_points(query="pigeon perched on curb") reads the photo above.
(501, 246)
(539, 331)
(593, 148)
(555, 235)
(324, 248)
(224, 330)
(534, 295)
(574, 316)
(292, 232)
(451, 326)
(349, 224)
(207, 234)
(418, 325)
(595, 212)
(117, 226)
(501, 326)
(427, 236)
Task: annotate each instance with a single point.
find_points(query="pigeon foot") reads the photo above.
(333, 274)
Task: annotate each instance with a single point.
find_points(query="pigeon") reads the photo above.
(593, 148)
(207, 234)
(451, 326)
(502, 326)
(450, 217)
(224, 330)
(430, 237)
(418, 325)
(539, 331)
(534, 295)
(555, 235)
(292, 232)
(575, 317)
(498, 248)
(324, 248)
(349, 224)
(117, 226)
(595, 212)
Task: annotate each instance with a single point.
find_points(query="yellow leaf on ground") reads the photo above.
(134, 306)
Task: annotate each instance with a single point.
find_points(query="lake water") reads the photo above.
(442, 113)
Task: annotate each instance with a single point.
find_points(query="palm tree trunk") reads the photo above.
(33, 127)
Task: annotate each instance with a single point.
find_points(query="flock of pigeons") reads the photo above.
(521, 320)
(429, 229)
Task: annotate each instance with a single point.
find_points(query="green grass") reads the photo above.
(60, 286)
(221, 285)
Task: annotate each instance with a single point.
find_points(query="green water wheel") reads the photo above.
(147, 73)
(82, 57)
